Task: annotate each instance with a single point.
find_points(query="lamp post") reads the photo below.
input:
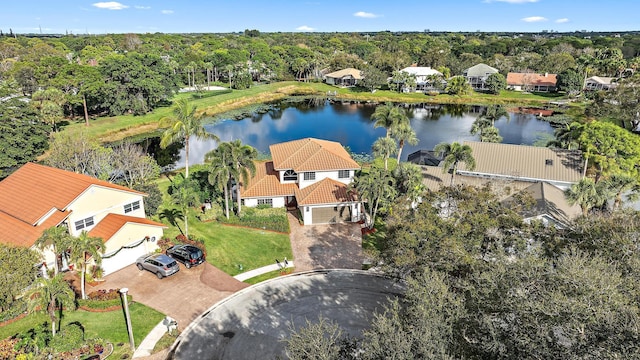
(127, 317)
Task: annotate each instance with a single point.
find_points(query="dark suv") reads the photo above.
(188, 255)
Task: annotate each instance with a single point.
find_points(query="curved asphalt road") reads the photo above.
(252, 323)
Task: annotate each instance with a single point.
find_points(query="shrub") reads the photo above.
(202, 95)
(164, 244)
(18, 307)
(70, 337)
(7, 348)
(199, 243)
(274, 219)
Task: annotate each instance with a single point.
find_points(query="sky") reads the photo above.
(217, 16)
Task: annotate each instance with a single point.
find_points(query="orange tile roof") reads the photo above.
(311, 155)
(531, 79)
(34, 190)
(19, 233)
(112, 223)
(266, 183)
(326, 191)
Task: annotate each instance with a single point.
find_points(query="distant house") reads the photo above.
(424, 157)
(309, 174)
(344, 77)
(35, 198)
(423, 77)
(531, 82)
(477, 75)
(600, 83)
(550, 205)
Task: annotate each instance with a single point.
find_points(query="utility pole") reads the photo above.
(127, 317)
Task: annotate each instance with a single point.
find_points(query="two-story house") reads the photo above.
(35, 198)
(477, 75)
(310, 174)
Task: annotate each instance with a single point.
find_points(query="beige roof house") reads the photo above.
(550, 205)
(344, 77)
(600, 83)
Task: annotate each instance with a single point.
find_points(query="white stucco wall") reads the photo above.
(98, 202)
(278, 202)
(320, 175)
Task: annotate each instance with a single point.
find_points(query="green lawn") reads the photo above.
(110, 325)
(228, 246)
(267, 276)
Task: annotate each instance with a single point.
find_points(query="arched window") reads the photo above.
(290, 175)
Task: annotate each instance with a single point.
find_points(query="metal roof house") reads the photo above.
(344, 77)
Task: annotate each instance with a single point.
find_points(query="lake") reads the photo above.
(351, 125)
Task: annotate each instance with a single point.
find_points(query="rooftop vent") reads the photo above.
(548, 162)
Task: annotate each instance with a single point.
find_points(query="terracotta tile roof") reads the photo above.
(112, 223)
(527, 162)
(531, 79)
(266, 183)
(326, 191)
(311, 155)
(34, 190)
(19, 233)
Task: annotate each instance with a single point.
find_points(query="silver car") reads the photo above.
(159, 264)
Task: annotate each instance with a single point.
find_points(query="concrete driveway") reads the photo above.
(183, 296)
(331, 246)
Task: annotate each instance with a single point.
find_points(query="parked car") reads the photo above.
(188, 255)
(159, 264)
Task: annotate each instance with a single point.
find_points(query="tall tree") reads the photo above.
(184, 194)
(405, 135)
(389, 117)
(619, 184)
(58, 239)
(221, 170)
(83, 249)
(17, 272)
(49, 103)
(376, 187)
(242, 160)
(184, 123)
(496, 82)
(384, 147)
(453, 154)
(587, 194)
(51, 295)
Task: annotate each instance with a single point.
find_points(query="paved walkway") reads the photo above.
(263, 270)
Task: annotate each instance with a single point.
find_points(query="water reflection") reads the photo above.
(351, 125)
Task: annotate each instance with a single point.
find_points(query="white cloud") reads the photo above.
(140, 7)
(304, 28)
(562, 21)
(534, 19)
(167, 12)
(512, 1)
(364, 14)
(110, 5)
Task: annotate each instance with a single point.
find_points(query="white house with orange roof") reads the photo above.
(35, 198)
(310, 174)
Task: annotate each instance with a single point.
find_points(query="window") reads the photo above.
(131, 207)
(310, 176)
(289, 175)
(84, 223)
(343, 174)
(265, 202)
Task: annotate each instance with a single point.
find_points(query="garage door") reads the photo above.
(328, 215)
(127, 255)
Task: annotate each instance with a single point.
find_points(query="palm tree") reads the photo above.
(493, 113)
(184, 194)
(586, 193)
(384, 147)
(84, 248)
(376, 187)
(404, 134)
(389, 117)
(221, 170)
(172, 216)
(491, 134)
(408, 178)
(566, 137)
(49, 295)
(182, 125)
(454, 154)
(59, 239)
(241, 159)
(619, 184)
